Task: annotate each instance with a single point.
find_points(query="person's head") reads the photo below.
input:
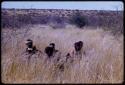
(78, 45)
(29, 43)
(52, 45)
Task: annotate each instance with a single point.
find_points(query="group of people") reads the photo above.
(50, 50)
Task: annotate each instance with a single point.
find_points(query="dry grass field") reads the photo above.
(102, 63)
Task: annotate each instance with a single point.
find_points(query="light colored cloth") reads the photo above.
(29, 48)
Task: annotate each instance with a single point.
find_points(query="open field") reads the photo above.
(103, 62)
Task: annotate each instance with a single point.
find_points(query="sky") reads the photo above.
(81, 5)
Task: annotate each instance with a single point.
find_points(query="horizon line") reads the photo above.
(62, 9)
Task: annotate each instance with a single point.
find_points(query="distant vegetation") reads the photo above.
(79, 20)
(58, 18)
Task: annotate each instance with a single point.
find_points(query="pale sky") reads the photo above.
(81, 5)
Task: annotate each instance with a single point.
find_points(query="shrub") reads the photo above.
(57, 22)
(79, 20)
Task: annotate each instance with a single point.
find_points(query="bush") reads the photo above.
(78, 20)
(57, 22)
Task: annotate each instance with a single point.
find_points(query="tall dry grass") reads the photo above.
(103, 62)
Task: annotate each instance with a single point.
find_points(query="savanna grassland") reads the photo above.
(102, 63)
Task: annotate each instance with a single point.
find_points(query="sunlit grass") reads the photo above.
(103, 62)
